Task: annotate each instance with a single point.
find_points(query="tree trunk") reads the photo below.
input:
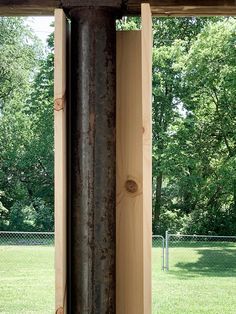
(157, 209)
(234, 201)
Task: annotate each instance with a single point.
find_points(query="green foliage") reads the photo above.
(128, 23)
(197, 154)
(19, 52)
(26, 130)
(194, 118)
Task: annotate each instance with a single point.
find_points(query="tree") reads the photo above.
(172, 40)
(208, 95)
(43, 144)
(19, 52)
(26, 132)
(194, 117)
(199, 156)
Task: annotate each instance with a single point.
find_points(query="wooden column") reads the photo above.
(133, 173)
(134, 168)
(60, 160)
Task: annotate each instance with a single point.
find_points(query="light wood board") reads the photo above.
(147, 42)
(134, 168)
(60, 161)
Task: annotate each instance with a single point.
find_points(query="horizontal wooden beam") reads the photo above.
(194, 11)
(179, 3)
(185, 7)
(28, 7)
(132, 7)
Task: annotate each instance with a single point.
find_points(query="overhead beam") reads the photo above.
(28, 7)
(129, 7)
(193, 11)
(185, 7)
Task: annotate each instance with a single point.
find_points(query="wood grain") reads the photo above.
(133, 7)
(146, 43)
(181, 11)
(129, 221)
(185, 7)
(134, 169)
(60, 160)
(28, 7)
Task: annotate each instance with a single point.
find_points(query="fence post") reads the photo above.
(163, 253)
(167, 250)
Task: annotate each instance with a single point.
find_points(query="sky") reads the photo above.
(41, 26)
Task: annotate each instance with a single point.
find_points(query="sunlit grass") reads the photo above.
(201, 280)
(26, 279)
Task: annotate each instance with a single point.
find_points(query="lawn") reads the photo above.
(201, 279)
(26, 279)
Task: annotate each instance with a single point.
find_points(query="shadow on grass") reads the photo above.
(212, 262)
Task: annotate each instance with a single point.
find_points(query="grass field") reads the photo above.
(201, 280)
(26, 279)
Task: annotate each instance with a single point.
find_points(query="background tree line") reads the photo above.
(194, 119)
(26, 129)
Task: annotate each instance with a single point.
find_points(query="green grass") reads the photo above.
(201, 279)
(26, 279)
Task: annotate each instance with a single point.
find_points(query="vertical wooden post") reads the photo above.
(147, 43)
(134, 168)
(60, 160)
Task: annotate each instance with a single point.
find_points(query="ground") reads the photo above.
(26, 279)
(201, 280)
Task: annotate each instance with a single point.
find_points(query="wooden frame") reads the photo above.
(133, 147)
(60, 161)
(158, 7)
(134, 170)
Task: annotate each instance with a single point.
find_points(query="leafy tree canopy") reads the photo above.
(194, 118)
(26, 129)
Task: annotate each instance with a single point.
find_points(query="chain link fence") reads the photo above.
(201, 253)
(196, 253)
(199, 274)
(14, 238)
(158, 247)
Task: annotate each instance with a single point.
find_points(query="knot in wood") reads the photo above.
(60, 311)
(131, 186)
(58, 104)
